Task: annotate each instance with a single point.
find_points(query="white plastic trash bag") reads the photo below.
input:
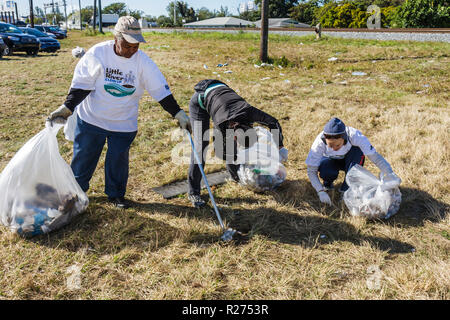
(370, 197)
(71, 124)
(39, 192)
(78, 52)
(260, 166)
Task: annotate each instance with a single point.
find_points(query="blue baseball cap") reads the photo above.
(334, 127)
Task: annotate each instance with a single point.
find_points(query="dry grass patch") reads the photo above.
(296, 249)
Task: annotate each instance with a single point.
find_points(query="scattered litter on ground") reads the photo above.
(257, 66)
(228, 71)
(281, 74)
(220, 65)
(205, 66)
(373, 282)
(73, 281)
(287, 81)
(332, 59)
(358, 73)
(266, 78)
(78, 52)
(344, 83)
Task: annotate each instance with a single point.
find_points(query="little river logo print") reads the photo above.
(117, 84)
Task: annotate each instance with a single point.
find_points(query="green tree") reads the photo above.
(304, 12)
(119, 8)
(164, 21)
(223, 12)
(182, 12)
(388, 15)
(278, 8)
(203, 13)
(38, 12)
(136, 13)
(423, 14)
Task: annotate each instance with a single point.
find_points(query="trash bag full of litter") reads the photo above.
(260, 166)
(39, 191)
(370, 197)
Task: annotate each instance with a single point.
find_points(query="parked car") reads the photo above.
(20, 23)
(41, 29)
(49, 29)
(48, 44)
(16, 40)
(3, 47)
(60, 30)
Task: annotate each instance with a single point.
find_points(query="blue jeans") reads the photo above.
(87, 148)
(329, 168)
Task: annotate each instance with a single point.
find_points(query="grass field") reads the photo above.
(297, 249)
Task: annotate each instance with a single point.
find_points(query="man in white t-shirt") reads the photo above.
(336, 148)
(107, 85)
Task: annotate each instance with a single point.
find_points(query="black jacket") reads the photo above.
(224, 104)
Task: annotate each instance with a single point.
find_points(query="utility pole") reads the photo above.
(264, 31)
(31, 14)
(17, 13)
(95, 12)
(100, 21)
(53, 11)
(65, 14)
(174, 13)
(81, 21)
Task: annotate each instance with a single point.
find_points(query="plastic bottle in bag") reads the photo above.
(370, 197)
(39, 191)
(260, 167)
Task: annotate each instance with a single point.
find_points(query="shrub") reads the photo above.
(423, 14)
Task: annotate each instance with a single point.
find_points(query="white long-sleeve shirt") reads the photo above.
(319, 149)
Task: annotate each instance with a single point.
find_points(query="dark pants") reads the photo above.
(329, 168)
(87, 148)
(200, 124)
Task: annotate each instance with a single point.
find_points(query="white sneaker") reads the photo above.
(196, 200)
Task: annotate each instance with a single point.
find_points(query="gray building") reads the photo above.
(220, 22)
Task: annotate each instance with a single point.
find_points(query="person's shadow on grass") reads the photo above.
(417, 206)
(105, 229)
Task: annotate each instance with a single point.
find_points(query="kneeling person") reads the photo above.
(339, 147)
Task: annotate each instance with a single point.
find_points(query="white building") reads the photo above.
(145, 24)
(283, 23)
(8, 10)
(108, 19)
(220, 22)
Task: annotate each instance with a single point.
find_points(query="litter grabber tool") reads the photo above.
(228, 233)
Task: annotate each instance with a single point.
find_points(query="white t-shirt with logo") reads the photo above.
(319, 149)
(117, 84)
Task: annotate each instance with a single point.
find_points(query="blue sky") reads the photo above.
(150, 7)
